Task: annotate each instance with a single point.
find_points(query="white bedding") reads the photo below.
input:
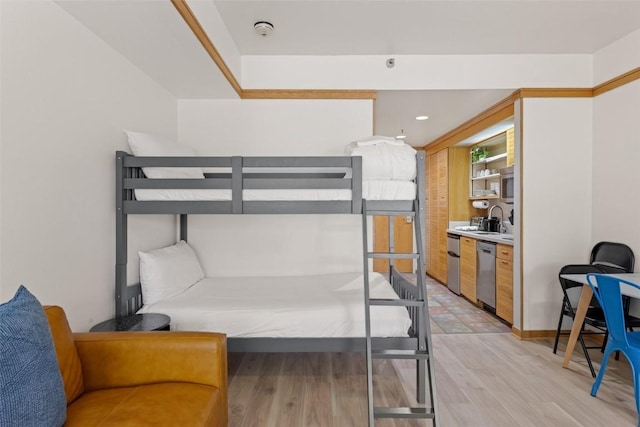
(386, 161)
(371, 190)
(330, 305)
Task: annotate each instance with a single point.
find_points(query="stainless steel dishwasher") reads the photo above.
(486, 273)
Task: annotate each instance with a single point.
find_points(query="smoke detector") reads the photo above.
(263, 28)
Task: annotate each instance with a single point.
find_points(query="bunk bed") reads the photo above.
(287, 185)
(258, 185)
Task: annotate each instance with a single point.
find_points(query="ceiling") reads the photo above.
(400, 27)
(153, 36)
(397, 111)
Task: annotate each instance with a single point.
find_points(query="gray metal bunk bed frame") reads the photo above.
(294, 173)
(318, 173)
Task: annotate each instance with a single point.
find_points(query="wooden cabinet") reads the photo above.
(510, 147)
(468, 268)
(438, 219)
(504, 282)
(446, 199)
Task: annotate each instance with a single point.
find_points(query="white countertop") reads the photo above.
(505, 239)
(624, 288)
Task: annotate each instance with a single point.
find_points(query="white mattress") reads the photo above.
(371, 190)
(330, 305)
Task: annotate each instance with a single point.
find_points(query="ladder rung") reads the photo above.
(399, 354)
(391, 213)
(396, 302)
(403, 413)
(392, 255)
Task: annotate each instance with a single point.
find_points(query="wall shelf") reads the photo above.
(489, 196)
(497, 153)
(494, 175)
(491, 159)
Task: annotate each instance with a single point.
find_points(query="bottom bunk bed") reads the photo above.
(293, 313)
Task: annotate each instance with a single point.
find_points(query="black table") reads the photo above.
(135, 322)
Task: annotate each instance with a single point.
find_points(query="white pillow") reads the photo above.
(146, 145)
(168, 271)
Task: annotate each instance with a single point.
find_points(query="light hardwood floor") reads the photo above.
(482, 380)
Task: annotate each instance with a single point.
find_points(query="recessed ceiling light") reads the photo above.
(401, 136)
(422, 117)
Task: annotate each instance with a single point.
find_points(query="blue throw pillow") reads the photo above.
(31, 388)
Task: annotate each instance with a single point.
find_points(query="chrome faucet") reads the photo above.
(502, 227)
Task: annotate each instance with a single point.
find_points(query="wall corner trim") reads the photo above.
(617, 81)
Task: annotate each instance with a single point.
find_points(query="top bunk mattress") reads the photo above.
(320, 306)
(396, 161)
(371, 190)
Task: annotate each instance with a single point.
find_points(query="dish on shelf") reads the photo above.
(484, 192)
(486, 176)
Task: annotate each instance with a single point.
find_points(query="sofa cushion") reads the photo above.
(184, 404)
(68, 360)
(31, 388)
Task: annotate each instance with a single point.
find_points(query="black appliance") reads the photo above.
(507, 187)
(493, 224)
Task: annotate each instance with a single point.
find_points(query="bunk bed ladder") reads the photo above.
(422, 354)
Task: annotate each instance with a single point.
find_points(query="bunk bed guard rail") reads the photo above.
(238, 174)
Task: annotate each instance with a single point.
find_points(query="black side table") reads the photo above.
(135, 322)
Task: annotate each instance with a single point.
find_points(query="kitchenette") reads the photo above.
(470, 232)
(480, 268)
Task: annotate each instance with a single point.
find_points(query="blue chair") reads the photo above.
(606, 289)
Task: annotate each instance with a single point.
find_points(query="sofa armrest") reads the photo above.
(123, 359)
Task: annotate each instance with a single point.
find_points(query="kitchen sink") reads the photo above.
(502, 236)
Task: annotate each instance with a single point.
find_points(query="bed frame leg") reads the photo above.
(121, 303)
(183, 227)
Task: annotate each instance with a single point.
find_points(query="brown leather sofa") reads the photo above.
(141, 378)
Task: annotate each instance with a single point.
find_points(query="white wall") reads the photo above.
(616, 148)
(517, 215)
(416, 72)
(1, 97)
(279, 244)
(617, 58)
(66, 96)
(557, 200)
(616, 171)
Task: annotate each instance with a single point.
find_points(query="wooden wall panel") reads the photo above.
(438, 206)
(510, 147)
